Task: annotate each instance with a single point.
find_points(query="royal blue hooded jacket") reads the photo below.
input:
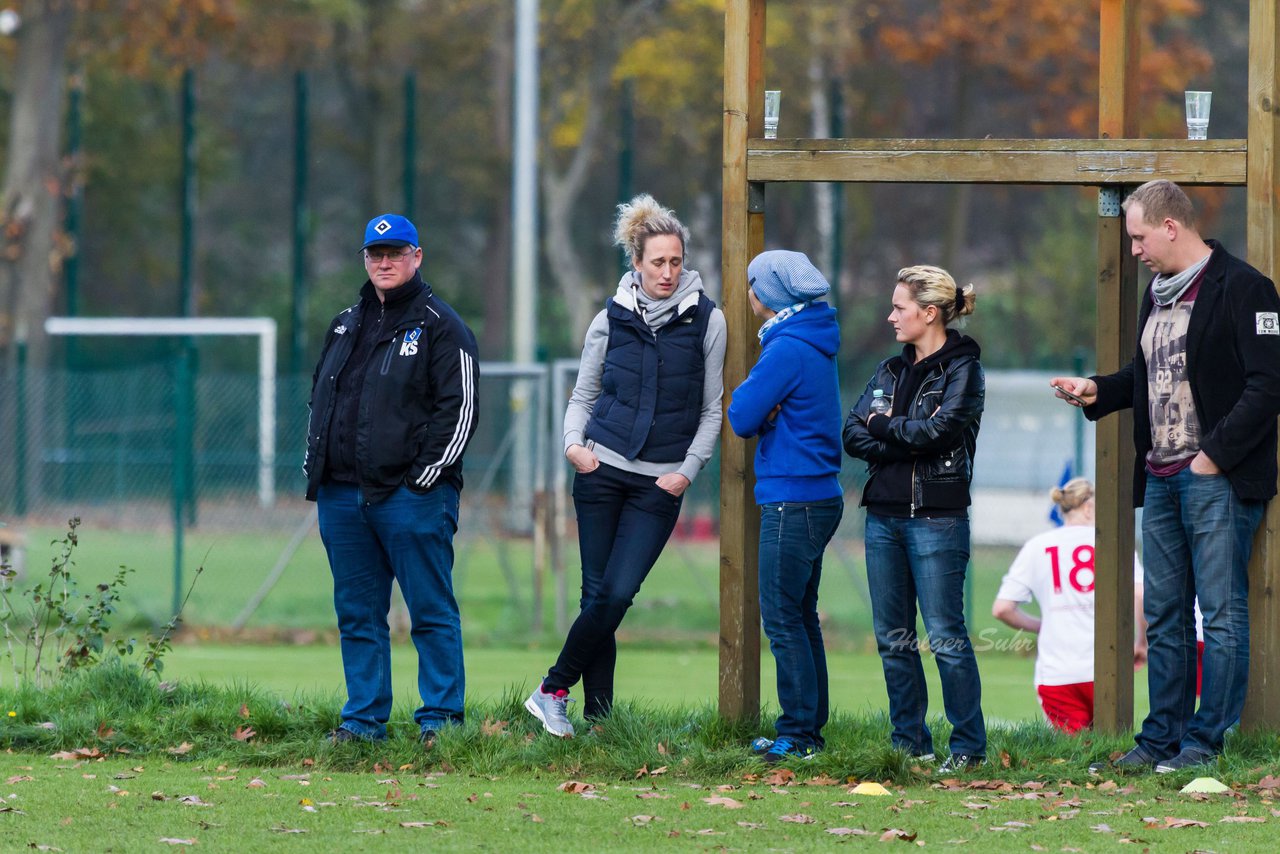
(798, 455)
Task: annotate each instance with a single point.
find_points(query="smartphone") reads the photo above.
(1077, 398)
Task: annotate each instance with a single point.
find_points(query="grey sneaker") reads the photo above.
(1188, 757)
(552, 710)
(1137, 759)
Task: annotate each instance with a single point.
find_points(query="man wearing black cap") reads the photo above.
(393, 406)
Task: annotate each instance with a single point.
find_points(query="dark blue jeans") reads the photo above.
(792, 539)
(407, 538)
(1196, 540)
(925, 560)
(624, 520)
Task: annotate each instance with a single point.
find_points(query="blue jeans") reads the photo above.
(407, 538)
(624, 520)
(1196, 540)
(792, 539)
(926, 560)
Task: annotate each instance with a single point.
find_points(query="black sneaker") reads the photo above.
(761, 746)
(342, 735)
(957, 762)
(1188, 757)
(427, 738)
(1137, 759)
(788, 748)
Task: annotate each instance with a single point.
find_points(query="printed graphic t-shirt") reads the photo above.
(1175, 429)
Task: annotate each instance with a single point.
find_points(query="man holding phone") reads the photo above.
(1204, 385)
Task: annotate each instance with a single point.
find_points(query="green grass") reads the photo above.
(110, 759)
(644, 674)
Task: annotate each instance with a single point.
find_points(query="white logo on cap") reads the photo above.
(382, 227)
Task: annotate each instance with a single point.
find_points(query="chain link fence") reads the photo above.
(165, 450)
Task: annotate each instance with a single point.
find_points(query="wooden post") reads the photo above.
(743, 237)
(1116, 330)
(1262, 705)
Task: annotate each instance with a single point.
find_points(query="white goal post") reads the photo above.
(264, 328)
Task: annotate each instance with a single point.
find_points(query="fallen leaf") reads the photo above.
(1170, 823)
(105, 731)
(167, 840)
(243, 733)
(244, 710)
(255, 783)
(493, 728)
(822, 780)
(750, 825)
(642, 820)
(662, 749)
(661, 769)
(1101, 828)
(1005, 759)
(193, 801)
(798, 818)
(185, 747)
(574, 787)
(779, 777)
(721, 801)
(1241, 819)
(419, 824)
(848, 831)
(19, 778)
(78, 753)
(647, 795)
(534, 817)
(280, 828)
(893, 833)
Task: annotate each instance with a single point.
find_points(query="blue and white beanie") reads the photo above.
(781, 278)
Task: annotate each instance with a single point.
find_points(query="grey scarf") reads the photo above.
(1165, 290)
(656, 313)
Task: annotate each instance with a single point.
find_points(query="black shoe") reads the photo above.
(957, 762)
(341, 735)
(1188, 757)
(427, 738)
(1137, 759)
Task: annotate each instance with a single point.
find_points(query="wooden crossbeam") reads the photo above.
(1220, 162)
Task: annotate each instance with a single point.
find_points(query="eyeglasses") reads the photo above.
(392, 255)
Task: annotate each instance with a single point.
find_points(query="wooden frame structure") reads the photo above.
(1115, 162)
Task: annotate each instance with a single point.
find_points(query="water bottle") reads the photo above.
(880, 403)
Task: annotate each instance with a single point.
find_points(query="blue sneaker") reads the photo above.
(761, 746)
(784, 748)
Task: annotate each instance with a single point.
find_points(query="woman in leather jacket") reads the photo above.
(919, 450)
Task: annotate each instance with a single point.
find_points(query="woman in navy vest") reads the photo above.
(641, 423)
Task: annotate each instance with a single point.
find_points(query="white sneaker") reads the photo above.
(552, 710)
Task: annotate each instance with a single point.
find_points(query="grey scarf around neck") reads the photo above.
(1167, 289)
(656, 313)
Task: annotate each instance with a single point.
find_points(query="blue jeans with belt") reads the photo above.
(793, 537)
(624, 521)
(407, 538)
(924, 560)
(1196, 540)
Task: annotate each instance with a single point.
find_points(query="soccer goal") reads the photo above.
(263, 328)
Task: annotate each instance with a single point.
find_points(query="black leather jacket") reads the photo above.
(935, 438)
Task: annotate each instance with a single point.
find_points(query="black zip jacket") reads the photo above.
(923, 453)
(1233, 366)
(417, 400)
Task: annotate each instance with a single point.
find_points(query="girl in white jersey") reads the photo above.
(1056, 568)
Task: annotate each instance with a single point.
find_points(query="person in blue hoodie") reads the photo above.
(790, 401)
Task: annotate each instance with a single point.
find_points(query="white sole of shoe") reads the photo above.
(532, 708)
